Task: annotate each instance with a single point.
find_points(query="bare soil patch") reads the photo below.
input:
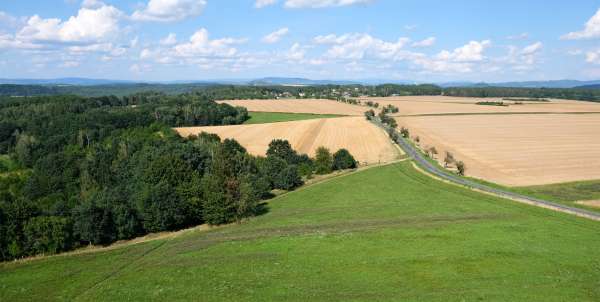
(365, 141)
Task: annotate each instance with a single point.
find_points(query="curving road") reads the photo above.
(422, 162)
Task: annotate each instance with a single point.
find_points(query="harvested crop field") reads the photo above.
(299, 106)
(364, 140)
(440, 105)
(516, 150)
(590, 203)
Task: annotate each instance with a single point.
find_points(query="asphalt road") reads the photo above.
(422, 162)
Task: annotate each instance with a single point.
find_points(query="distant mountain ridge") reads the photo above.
(295, 81)
(594, 86)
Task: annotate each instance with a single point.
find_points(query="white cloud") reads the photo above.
(169, 10)
(532, 49)
(263, 3)
(200, 45)
(525, 58)
(275, 36)
(593, 57)
(296, 52)
(92, 4)
(424, 43)
(171, 39)
(322, 3)
(359, 46)
(89, 26)
(471, 52)
(591, 29)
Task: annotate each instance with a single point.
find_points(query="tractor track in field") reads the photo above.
(436, 172)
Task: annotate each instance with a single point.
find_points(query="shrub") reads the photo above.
(461, 167)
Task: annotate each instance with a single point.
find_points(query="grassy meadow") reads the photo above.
(274, 117)
(383, 234)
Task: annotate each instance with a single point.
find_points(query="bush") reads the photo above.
(405, 133)
(323, 161)
(342, 159)
(461, 167)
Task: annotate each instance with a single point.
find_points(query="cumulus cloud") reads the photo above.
(471, 52)
(263, 3)
(322, 3)
(169, 10)
(90, 25)
(275, 36)
(360, 45)
(591, 29)
(523, 58)
(424, 43)
(200, 45)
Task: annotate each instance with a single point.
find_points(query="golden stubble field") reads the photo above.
(315, 106)
(419, 105)
(516, 150)
(368, 143)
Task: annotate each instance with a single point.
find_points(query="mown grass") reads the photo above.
(274, 117)
(383, 234)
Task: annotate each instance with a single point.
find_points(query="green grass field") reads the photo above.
(274, 117)
(383, 234)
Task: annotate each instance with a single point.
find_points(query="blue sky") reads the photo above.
(420, 40)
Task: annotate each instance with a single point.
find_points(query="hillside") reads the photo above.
(388, 233)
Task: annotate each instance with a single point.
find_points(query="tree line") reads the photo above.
(78, 171)
(334, 92)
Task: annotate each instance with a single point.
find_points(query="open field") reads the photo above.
(420, 105)
(590, 203)
(364, 140)
(516, 150)
(276, 117)
(384, 234)
(299, 106)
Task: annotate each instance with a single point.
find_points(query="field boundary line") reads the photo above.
(420, 161)
(199, 228)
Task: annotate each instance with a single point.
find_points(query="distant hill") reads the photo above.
(297, 82)
(596, 86)
(64, 81)
(526, 84)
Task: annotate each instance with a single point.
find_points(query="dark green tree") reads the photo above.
(323, 161)
(342, 159)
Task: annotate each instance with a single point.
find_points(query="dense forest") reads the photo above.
(76, 171)
(223, 92)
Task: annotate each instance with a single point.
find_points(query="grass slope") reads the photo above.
(388, 233)
(274, 117)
